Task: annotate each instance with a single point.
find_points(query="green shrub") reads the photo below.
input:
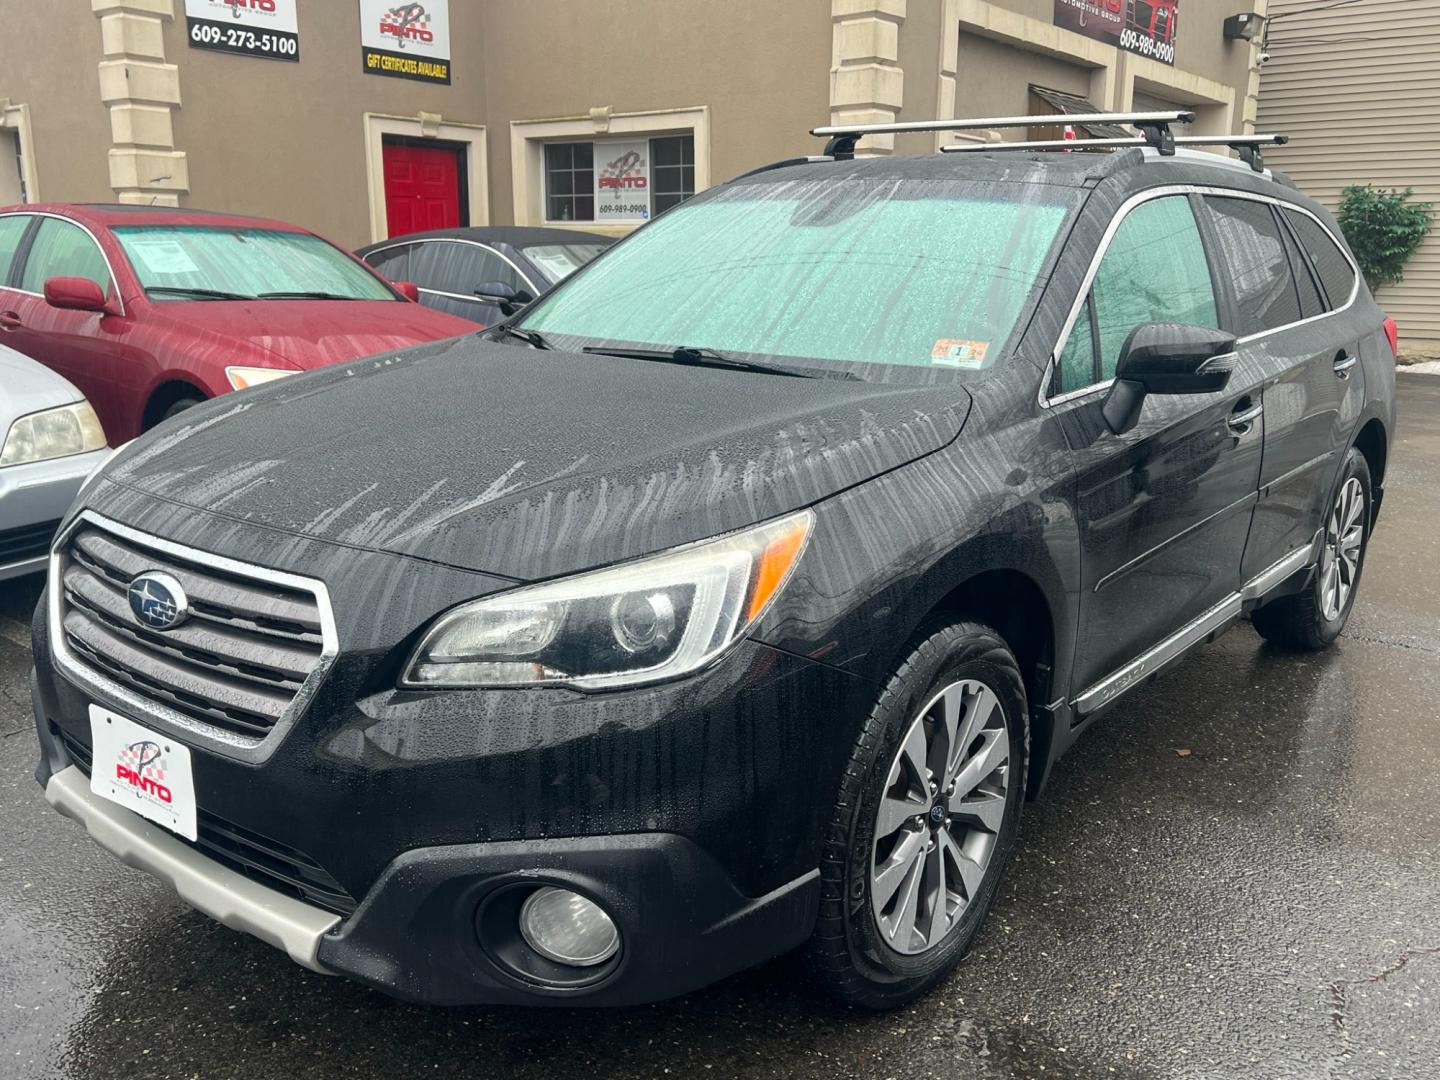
(1384, 229)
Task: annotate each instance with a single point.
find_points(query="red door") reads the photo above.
(422, 187)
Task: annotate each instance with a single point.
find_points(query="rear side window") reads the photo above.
(1336, 273)
(447, 266)
(1153, 271)
(1253, 252)
(11, 230)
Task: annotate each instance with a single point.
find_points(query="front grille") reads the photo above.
(27, 542)
(269, 862)
(236, 664)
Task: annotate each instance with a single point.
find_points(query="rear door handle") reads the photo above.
(1343, 363)
(9, 320)
(1244, 417)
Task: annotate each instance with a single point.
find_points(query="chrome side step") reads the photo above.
(1195, 631)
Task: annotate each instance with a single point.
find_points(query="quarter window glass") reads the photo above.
(1336, 274)
(392, 263)
(61, 249)
(1077, 362)
(1153, 271)
(1311, 303)
(11, 230)
(1254, 257)
(458, 268)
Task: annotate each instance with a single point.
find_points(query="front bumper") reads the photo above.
(683, 923)
(35, 494)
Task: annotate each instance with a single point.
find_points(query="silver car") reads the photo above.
(52, 442)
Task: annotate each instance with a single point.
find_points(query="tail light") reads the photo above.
(1392, 334)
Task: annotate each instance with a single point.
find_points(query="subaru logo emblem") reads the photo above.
(937, 814)
(158, 601)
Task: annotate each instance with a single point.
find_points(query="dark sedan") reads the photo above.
(484, 274)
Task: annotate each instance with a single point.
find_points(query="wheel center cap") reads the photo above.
(937, 815)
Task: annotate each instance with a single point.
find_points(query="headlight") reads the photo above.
(54, 433)
(654, 618)
(242, 378)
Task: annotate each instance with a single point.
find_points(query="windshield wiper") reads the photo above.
(303, 296)
(530, 337)
(686, 354)
(203, 294)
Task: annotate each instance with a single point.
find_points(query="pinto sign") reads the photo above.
(406, 39)
(1146, 27)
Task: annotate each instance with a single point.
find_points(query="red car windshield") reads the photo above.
(201, 262)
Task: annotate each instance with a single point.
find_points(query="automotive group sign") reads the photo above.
(264, 28)
(622, 180)
(1146, 27)
(406, 40)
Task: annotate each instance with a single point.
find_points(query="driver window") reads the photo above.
(61, 249)
(1153, 271)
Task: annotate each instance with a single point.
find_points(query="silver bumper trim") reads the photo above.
(226, 896)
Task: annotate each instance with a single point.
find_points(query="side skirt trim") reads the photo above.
(1192, 633)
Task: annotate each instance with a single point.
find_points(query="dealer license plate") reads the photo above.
(142, 771)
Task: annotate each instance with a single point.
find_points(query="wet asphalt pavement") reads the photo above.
(1236, 873)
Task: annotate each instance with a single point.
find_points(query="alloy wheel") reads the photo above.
(1344, 541)
(940, 816)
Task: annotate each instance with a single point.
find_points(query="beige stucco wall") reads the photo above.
(287, 140)
(49, 63)
(759, 66)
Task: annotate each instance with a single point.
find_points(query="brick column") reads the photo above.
(141, 90)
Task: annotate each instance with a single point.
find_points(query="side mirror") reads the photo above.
(507, 298)
(1167, 358)
(408, 289)
(75, 294)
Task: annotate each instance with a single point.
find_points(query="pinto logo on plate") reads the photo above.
(142, 767)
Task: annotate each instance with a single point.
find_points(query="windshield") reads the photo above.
(918, 272)
(558, 261)
(185, 262)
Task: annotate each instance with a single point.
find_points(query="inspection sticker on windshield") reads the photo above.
(142, 771)
(959, 352)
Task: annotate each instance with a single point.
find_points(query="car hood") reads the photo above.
(308, 333)
(26, 387)
(528, 463)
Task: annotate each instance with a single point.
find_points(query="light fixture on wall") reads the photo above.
(1244, 27)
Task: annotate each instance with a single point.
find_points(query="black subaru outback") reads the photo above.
(734, 595)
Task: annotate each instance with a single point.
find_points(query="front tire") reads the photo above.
(926, 821)
(1313, 618)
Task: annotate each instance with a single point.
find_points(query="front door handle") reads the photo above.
(9, 320)
(1343, 363)
(1244, 416)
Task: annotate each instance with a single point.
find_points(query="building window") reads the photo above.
(672, 171)
(570, 178)
(570, 181)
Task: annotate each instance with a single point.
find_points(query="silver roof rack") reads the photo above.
(1247, 146)
(1154, 128)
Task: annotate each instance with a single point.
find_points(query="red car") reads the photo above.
(149, 310)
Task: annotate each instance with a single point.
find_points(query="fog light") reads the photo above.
(565, 927)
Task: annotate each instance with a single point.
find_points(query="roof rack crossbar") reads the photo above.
(1247, 146)
(1154, 126)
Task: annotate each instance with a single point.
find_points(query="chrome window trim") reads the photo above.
(109, 266)
(453, 240)
(194, 732)
(1047, 401)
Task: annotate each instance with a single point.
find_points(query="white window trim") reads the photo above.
(471, 136)
(527, 154)
(16, 118)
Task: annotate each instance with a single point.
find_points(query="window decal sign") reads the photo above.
(622, 180)
(263, 28)
(1146, 27)
(406, 40)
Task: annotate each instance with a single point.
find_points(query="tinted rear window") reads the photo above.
(1336, 273)
(1253, 252)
